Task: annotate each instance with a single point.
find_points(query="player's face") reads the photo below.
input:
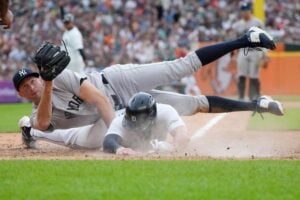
(246, 14)
(31, 88)
(68, 25)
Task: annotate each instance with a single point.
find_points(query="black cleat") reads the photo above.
(267, 104)
(260, 38)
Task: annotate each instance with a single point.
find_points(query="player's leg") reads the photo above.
(242, 71)
(129, 79)
(189, 105)
(241, 85)
(254, 70)
(254, 37)
(254, 88)
(184, 104)
(88, 137)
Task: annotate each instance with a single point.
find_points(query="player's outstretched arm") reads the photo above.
(44, 111)
(112, 144)
(90, 94)
(180, 136)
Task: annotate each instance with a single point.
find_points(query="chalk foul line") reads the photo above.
(203, 130)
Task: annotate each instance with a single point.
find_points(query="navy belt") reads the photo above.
(117, 103)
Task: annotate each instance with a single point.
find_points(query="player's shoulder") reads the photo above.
(165, 110)
(161, 106)
(75, 31)
(67, 77)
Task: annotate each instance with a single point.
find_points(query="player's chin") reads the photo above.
(34, 96)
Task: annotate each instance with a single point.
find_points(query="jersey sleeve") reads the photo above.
(170, 116)
(33, 115)
(69, 81)
(116, 127)
(33, 118)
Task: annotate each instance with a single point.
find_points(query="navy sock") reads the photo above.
(213, 52)
(219, 105)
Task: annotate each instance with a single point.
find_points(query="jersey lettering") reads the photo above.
(69, 115)
(75, 103)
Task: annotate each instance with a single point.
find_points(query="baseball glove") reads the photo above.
(50, 60)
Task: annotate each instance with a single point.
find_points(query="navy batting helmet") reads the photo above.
(140, 112)
(246, 6)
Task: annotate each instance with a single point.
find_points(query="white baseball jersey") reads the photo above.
(74, 42)
(167, 119)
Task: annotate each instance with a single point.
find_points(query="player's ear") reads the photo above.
(21, 93)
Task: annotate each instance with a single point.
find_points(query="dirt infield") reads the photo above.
(227, 139)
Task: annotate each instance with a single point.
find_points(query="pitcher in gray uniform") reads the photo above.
(249, 60)
(76, 110)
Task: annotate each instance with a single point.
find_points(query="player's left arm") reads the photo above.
(264, 61)
(180, 137)
(90, 94)
(113, 144)
(78, 45)
(177, 129)
(81, 51)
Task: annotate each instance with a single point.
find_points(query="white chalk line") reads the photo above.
(202, 131)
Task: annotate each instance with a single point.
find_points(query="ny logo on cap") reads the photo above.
(22, 72)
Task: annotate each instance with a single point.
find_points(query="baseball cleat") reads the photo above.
(260, 38)
(267, 104)
(24, 124)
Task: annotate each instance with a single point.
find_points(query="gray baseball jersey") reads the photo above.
(118, 83)
(241, 26)
(166, 121)
(68, 110)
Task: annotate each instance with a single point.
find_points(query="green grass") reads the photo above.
(290, 121)
(10, 115)
(292, 98)
(204, 179)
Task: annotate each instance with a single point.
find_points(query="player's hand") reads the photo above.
(265, 62)
(7, 21)
(161, 146)
(50, 60)
(126, 151)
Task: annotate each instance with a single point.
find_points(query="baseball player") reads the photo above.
(74, 44)
(249, 60)
(144, 127)
(65, 100)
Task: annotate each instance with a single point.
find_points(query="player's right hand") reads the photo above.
(161, 146)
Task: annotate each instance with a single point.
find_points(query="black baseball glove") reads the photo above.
(50, 60)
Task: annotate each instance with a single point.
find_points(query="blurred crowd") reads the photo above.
(137, 31)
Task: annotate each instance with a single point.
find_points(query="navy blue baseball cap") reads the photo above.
(246, 6)
(21, 74)
(68, 18)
